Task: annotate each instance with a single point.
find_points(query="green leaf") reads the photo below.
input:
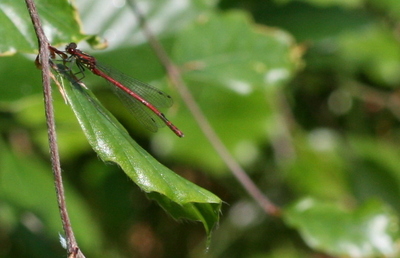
(320, 169)
(230, 50)
(62, 24)
(373, 50)
(27, 187)
(179, 197)
(369, 231)
(327, 3)
(391, 8)
(59, 20)
(375, 173)
(119, 24)
(235, 69)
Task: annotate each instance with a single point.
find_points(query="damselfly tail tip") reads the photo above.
(177, 131)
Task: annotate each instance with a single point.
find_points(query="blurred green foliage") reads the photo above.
(303, 94)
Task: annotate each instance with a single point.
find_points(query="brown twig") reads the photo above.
(176, 79)
(388, 100)
(44, 55)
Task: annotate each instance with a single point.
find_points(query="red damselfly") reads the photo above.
(142, 99)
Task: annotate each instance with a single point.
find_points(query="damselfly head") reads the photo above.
(71, 48)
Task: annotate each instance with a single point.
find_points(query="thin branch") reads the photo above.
(390, 100)
(44, 56)
(176, 79)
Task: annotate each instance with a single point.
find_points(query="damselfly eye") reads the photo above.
(71, 47)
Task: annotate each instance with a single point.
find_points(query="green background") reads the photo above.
(303, 94)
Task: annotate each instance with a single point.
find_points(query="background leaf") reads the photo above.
(372, 228)
(58, 17)
(27, 192)
(232, 68)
